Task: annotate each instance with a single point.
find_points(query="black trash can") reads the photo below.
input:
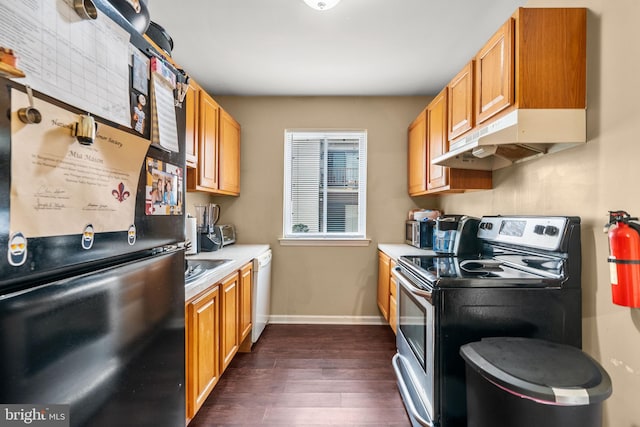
(523, 382)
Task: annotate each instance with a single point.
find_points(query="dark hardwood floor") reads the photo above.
(310, 375)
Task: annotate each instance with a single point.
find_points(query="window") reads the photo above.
(325, 185)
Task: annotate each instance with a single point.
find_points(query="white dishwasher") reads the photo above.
(260, 294)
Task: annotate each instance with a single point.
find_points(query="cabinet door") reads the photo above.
(208, 142)
(383, 284)
(246, 278)
(460, 102)
(494, 74)
(393, 313)
(203, 367)
(437, 140)
(393, 295)
(229, 320)
(417, 155)
(229, 154)
(191, 126)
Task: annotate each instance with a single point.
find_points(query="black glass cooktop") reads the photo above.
(498, 270)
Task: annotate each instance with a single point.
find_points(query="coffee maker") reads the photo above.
(206, 218)
(456, 235)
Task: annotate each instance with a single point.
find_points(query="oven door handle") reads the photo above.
(407, 284)
(406, 395)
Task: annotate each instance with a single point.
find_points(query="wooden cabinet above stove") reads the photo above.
(521, 96)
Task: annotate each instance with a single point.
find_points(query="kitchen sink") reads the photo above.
(196, 268)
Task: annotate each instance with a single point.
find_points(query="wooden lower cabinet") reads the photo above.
(393, 298)
(387, 289)
(217, 321)
(229, 304)
(246, 279)
(202, 334)
(383, 284)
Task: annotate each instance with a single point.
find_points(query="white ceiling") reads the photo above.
(360, 47)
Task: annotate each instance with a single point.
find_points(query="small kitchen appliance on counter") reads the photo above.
(225, 234)
(420, 233)
(191, 235)
(523, 281)
(455, 234)
(207, 216)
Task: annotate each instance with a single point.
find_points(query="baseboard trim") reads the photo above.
(327, 320)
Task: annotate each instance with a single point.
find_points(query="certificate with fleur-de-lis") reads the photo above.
(59, 185)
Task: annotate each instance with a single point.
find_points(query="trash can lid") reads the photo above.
(542, 371)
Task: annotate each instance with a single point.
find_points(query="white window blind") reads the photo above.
(325, 184)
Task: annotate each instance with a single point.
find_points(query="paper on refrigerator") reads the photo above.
(164, 128)
(59, 186)
(84, 63)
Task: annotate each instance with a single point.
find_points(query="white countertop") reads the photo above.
(395, 251)
(239, 256)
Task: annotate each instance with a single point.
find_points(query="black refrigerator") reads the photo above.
(91, 320)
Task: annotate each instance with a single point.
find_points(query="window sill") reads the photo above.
(323, 242)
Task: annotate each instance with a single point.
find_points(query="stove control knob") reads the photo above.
(551, 230)
(538, 229)
(486, 225)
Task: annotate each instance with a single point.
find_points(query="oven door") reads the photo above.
(413, 364)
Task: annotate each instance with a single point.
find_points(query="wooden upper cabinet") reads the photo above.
(437, 141)
(551, 58)
(191, 124)
(536, 60)
(229, 154)
(427, 140)
(460, 102)
(494, 74)
(208, 143)
(212, 145)
(417, 155)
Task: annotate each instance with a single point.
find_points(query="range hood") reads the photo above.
(520, 135)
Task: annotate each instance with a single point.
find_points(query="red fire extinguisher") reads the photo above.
(624, 258)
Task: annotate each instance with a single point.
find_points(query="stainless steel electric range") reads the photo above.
(525, 281)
